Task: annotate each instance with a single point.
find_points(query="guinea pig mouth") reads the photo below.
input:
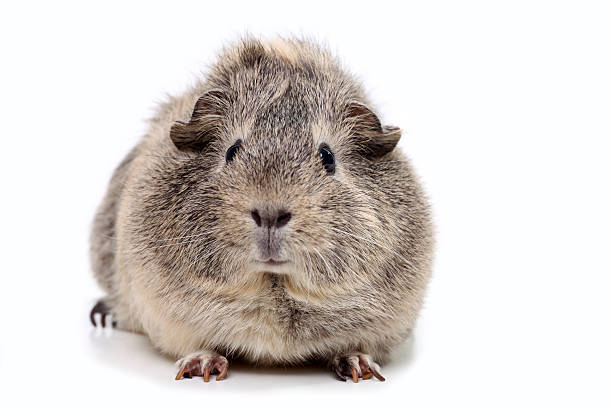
(273, 262)
(272, 266)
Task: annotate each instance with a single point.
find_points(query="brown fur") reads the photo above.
(173, 241)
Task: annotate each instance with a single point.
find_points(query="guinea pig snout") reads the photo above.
(270, 226)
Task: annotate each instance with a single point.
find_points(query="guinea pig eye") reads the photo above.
(327, 158)
(231, 152)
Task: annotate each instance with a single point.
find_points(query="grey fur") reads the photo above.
(173, 241)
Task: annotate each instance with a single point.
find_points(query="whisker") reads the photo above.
(324, 261)
(372, 242)
(311, 271)
(344, 264)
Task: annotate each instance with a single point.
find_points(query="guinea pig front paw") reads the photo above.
(203, 363)
(355, 365)
(103, 310)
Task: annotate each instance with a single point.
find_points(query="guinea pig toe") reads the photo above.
(218, 366)
(355, 366)
(101, 315)
(203, 364)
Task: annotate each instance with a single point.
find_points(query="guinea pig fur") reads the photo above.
(266, 215)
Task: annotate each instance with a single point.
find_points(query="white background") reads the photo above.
(507, 115)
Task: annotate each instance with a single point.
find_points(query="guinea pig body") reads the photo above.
(266, 215)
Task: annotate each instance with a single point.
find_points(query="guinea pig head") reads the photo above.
(282, 186)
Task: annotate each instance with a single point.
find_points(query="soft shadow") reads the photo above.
(130, 352)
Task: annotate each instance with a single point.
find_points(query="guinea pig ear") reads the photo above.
(373, 139)
(205, 121)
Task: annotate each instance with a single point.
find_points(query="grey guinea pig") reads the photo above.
(266, 215)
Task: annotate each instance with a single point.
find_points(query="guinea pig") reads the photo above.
(266, 215)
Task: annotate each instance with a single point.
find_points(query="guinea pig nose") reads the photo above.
(282, 218)
(256, 217)
(276, 219)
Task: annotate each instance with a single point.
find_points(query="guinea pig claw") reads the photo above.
(339, 375)
(223, 373)
(180, 373)
(377, 375)
(355, 375)
(206, 373)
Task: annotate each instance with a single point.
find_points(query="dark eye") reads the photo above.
(231, 152)
(327, 158)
